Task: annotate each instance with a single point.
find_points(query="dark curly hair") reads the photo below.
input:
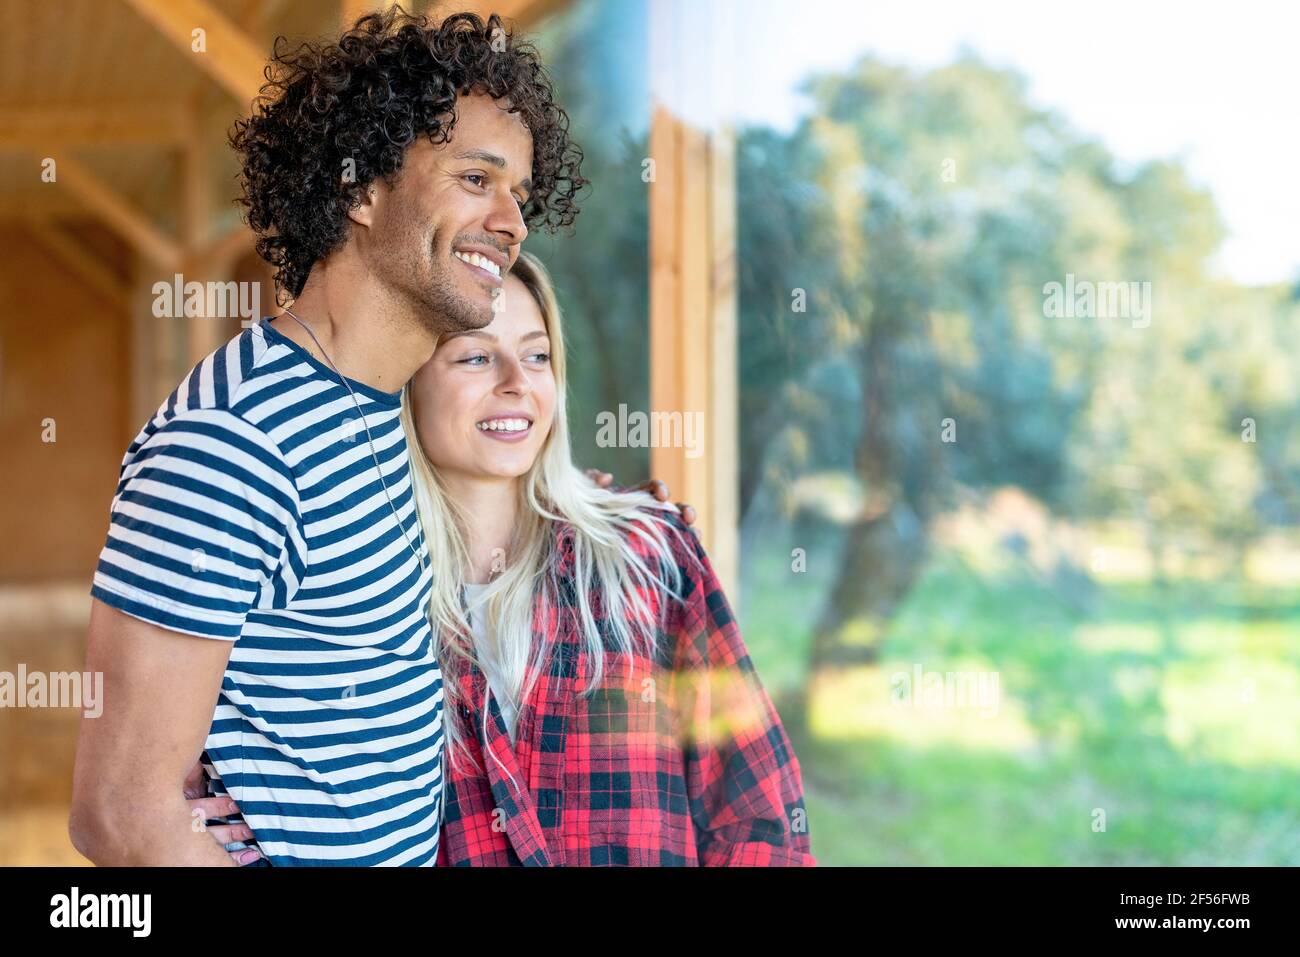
(389, 79)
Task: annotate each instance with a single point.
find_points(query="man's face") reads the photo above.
(455, 204)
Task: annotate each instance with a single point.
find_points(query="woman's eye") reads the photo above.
(474, 360)
(541, 357)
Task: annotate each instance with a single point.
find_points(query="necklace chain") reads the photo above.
(369, 438)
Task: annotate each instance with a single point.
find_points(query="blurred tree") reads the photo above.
(943, 203)
(893, 254)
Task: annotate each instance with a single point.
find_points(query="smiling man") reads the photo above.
(262, 594)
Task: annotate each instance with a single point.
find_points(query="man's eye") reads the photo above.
(476, 176)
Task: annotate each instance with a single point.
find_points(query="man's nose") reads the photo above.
(506, 221)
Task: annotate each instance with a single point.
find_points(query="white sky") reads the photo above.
(1214, 84)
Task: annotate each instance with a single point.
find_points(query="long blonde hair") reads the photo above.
(605, 524)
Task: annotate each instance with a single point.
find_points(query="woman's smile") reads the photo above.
(509, 427)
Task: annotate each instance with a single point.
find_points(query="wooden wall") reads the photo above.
(64, 355)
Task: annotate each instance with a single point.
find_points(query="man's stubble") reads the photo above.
(421, 269)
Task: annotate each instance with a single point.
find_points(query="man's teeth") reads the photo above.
(503, 425)
(474, 259)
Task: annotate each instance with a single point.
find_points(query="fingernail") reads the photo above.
(248, 857)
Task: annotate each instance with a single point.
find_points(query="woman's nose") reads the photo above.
(515, 379)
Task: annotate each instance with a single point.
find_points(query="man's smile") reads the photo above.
(483, 264)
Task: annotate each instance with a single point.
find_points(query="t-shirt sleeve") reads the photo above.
(205, 525)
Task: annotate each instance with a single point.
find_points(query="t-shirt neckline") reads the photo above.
(370, 392)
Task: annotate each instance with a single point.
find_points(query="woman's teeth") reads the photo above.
(503, 425)
(474, 259)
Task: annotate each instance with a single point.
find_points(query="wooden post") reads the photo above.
(693, 275)
(196, 216)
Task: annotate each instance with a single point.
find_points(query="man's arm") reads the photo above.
(160, 690)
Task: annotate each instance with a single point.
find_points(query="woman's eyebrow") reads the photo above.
(477, 333)
(481, 334)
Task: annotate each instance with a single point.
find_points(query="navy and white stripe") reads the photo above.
(249, 509)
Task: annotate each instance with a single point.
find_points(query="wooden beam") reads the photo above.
(80, 260)
(350, 11)
(120, 214)
(50, 126)
(22, 209)
(154, 352)
(230, 58)
(257, 14)
(693, 286)
(226, 249)
(203, 334)
(196, 197)
(520, 13)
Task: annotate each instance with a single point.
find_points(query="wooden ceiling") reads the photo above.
(136, 119)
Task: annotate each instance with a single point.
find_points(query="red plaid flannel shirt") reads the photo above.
(682, 761)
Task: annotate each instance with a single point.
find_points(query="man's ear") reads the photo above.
(363, 213)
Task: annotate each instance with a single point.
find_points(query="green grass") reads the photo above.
(1175, 711)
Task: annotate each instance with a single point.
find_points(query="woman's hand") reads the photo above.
(654, 486)
(204, 807)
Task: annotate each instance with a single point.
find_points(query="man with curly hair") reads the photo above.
(391, 178)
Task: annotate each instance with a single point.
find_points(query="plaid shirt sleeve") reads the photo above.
(743, 783)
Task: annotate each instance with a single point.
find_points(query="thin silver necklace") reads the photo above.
(369, 438)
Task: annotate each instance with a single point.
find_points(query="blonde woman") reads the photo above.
(601, 708)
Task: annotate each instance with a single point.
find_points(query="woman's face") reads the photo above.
(484, 402)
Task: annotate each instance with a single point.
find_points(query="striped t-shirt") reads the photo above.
(249, 509)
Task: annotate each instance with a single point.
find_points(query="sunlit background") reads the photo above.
(914, 469)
